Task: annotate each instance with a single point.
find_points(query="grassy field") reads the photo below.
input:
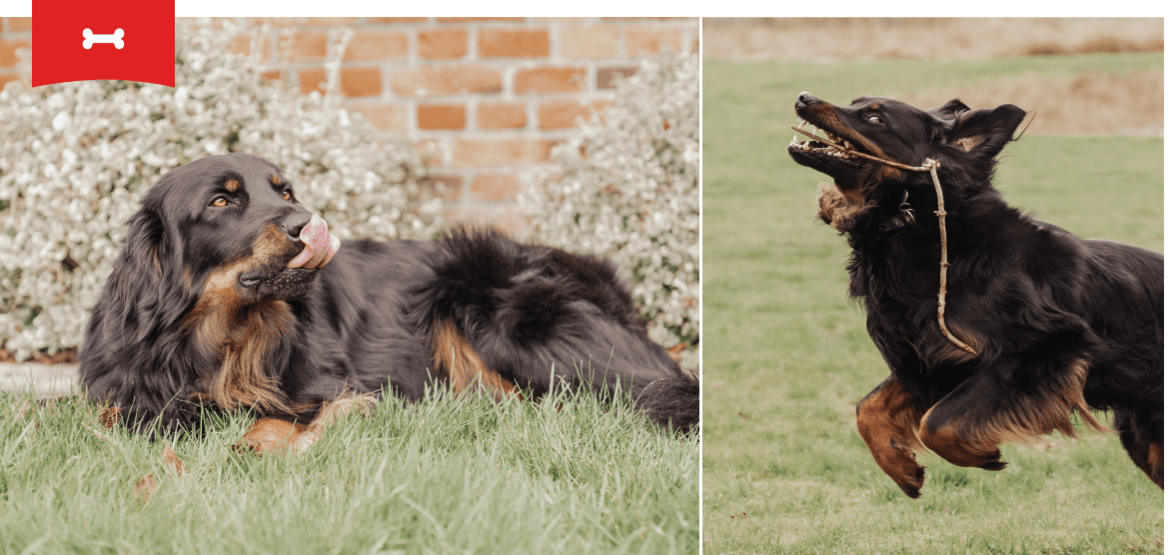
(441, 476)
(787, 355)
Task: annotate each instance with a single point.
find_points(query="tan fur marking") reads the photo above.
(269, 434)
(1156, 460)
(242, 335)
(837, 209)
(154, 258)
(875, 105)
(231, 185)
(454, 357)
(969, 143)
(887, 421)
(274, 179)
(967, 443)
(829, 119)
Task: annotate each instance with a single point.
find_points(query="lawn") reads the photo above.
(787, 356)
(440, 476)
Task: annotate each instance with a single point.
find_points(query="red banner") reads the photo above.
(80, 40)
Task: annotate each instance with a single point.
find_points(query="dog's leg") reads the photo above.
(465, 370)
(270, 434)
(1141, 436)
(967, 426)
(887, 420)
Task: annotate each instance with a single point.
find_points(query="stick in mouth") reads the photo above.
(831, 146)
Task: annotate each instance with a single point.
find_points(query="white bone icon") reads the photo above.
(114, 39)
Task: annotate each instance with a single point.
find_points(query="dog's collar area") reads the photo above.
(905, 217)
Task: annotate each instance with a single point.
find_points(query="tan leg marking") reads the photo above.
(887, 421)
(455, 358)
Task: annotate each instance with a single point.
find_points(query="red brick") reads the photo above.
(19, 23)
(442, 116)
(5, 79)
(647, 16)
(308, 45)
(502, 115)
(8, 51)
(443, 42)
(510, 220)
(378, 44)
(513, 43)
(493, 187)
(591, 42)
(396, 20)
(559, 114)
(476, 19)
(361, 81)
(566, 19)
(436, 80)
(607, 77)
(642, 39)
(311, 79)
(450, 187)
(241, 44)
(502, 152)
(273, 75)
(311, 21)
(388, 117)
(550, 79)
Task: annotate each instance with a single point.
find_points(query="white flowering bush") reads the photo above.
(75, 158)
(627, 188)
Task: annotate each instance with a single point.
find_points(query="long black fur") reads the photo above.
(539, 317)
(1034, 299)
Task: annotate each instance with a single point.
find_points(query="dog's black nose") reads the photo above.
(806, 99)
(296, 222)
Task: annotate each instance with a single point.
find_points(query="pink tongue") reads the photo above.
(319, 245)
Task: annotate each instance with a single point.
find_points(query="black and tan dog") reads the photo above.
(228, 294)
(1056, 324)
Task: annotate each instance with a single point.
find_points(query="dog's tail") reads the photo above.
(673, 402)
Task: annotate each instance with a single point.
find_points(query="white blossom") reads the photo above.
(626, 187)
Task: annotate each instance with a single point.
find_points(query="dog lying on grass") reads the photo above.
(229, 295)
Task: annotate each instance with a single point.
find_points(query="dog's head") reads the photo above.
(223, 228)
(966, 142)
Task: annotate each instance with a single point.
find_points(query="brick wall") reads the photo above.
(487, 98)
(15, 32)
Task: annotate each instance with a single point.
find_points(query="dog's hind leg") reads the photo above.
(1141, 435)
(990, 408)
(887, 419)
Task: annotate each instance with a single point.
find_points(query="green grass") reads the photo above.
(441, 476)
(787, 355)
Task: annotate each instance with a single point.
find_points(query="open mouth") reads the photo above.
(830, 145)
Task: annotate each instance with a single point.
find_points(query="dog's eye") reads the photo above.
(219, 202)
(874, 119)
(286, 195)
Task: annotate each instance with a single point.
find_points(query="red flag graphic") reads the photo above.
(79, 40)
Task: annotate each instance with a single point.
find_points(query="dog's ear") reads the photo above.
(143, 285)
(985, 132)
(950, 110)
